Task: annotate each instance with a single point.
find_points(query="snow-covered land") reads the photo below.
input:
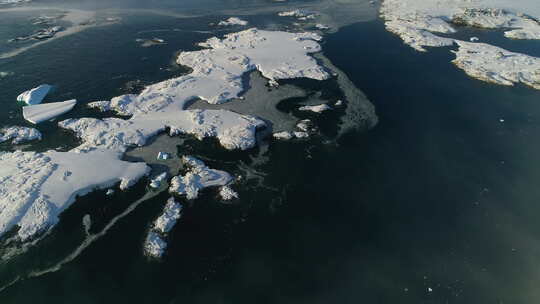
(198, 177)
(218, 70)
(496, 65)
(47, 111)
(34, 96)
(316, 109)
(417, 23)
(234, 131)
(19, 135)
(233, 21)
(36, 187)
(155, 243)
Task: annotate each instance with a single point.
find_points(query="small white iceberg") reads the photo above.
(43, 112)
(34, 96)
(163, 156)
(156, 181)
(316, 109)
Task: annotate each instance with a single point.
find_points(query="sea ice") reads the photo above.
(36, 187)
(19, 135)
(198, 177)
(43, 112)
(227, 193)
(34, 96)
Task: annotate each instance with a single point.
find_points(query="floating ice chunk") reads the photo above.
(19, 135)
(156, 182)
(474, 39)
(284, 135)
(305, 125)
(227, 193)
(301, 14)
(338, 103)
(154, 245)
(43, 112)
(36, 187)
(110, 192)
(316, 109)
(163, 156)
(35, 95)
(233, 21)
(322, 26)
(171, 213)
(198, 177)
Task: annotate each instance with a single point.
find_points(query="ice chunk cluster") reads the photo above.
(233, 21)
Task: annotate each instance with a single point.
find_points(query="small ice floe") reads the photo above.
(5, 74)
(150, 42)
(47, 111)
(316, 109)
(163, 156)
(19, 135)
(109, 192)
(301, 135)
(227, 193)
(305, 125)
(198, 177)
(322, 26)
(430, 289)
(474, 39)
(34, 96)
(155, 243)
(233, 21)
(338, 103)
(300, 14)
(87, 223)
(501, 120)
(158, 180)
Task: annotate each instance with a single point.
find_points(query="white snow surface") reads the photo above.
(34, 96)
(47, 111)
(234, 131)
(233, 21)
(19, 135)
(198, 177)
(36, 187)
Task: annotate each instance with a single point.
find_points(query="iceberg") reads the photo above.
(43, 112)
(232, 21)
(34, 96)
(156, 181)
(163, 156)
(19, 135)
(227, 193)
(316, 109)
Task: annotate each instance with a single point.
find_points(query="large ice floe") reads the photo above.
(36, 187)
(198, 177)
(155, 244)
(19, 135)
(47, 111)
(419, 24)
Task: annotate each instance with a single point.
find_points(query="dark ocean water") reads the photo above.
(437, 204)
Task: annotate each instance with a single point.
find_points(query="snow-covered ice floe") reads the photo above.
(34, 96)
(19, 135)
(158, 180)
(155, 243)
(300, 14)
(227, 193)
(233, 21)
(417, 23)
(36, 187)
(47, 111)
(198, 177)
